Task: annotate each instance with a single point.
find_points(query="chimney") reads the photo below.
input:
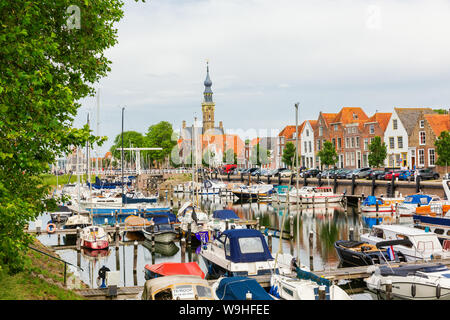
(184, 124)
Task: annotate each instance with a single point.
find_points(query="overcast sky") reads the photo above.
(266, 55)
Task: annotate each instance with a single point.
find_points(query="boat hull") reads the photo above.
(95, 245)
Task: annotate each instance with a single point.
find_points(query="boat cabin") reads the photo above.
(177, 287)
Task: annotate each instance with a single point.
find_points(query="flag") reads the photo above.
(391, 253)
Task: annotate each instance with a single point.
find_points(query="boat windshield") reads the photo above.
(251, 245)
(203, 292)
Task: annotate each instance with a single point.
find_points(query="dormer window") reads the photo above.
(355, 116)
(422, 123)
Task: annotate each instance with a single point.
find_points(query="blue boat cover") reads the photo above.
(370, 201)
(252, 250)
(423, 199)
(130, 200)
(404, 271)
(236, 288)
(436, 221)
(306, 275)
(161, 218)
(225, 214)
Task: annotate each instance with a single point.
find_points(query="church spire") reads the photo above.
(208, 83)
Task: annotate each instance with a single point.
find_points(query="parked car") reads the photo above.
(327, 173)
(428, 173)
(251, 170)
(228, 168)
(379, 174)
(362, 172)
(388, 175)
(350, 173)
(311, 173)
(342, 173)
(406, 175)
(264, 172)
(256, 172)
(286, 173)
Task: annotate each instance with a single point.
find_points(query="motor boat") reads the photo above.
(259, 191)
(305, 286)
(61, 214)
(77, 221)
(411, 282)
(358, 253)
(242, 252)
(172, 268)
(380, 206)
(177, 287)
(239, 288)
(436, 222)
(211, 187)
(190, 215)
(422, 245)
(94, 237)
(310, 195)
(409, 205)
(161, 229)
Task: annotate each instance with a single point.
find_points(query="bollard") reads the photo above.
(183, 250)
(311, 235)
(322, 293)
(388, 289)
(350, 234)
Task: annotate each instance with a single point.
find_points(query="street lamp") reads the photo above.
(296, 178)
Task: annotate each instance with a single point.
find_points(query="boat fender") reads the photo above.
(51, 227)
(438, 291)
(413, 290)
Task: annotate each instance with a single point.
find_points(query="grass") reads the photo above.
(50, 179)
(42, 279)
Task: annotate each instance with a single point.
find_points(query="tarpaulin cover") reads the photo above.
(225, 214)
(237, 254)
(176, 268)
(236, 288)
(370, 201)
(418, 198)
(162, 218)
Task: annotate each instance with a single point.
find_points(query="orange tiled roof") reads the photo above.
(313, 123)
(438, 122)
(329, 117)
(382, 118)
(350, 115)
(287, 132)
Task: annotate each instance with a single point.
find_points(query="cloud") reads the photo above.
(266, 55)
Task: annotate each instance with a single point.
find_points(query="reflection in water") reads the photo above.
(327, 224)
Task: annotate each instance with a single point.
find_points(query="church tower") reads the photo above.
(208, 104)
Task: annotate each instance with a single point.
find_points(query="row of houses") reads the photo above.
(409, 134)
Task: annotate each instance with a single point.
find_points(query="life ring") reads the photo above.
(52, 229)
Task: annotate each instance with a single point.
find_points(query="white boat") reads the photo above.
(222, 220)
(211, 187)
(311, 194)
(412, 282)
(190, 214)
(289, 288)
(187, 187)
(379, 205)
(261, 191)
(61, 214)
(242, 252)
(423, 245)
(177, 287)
(77, 220)
(94, 237)
(409, 205)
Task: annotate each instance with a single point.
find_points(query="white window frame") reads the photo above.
(372, 129)
(429, 157)
(394, 124)
(422, 124)
(393, 143)
(424, 138)
(400, 139)
(421, 163)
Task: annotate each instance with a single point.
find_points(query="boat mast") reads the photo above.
(98, 132)
(296, 178)
(122, 160)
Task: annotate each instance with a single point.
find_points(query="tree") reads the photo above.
(328, 155)
(48, 63)
(133, 138)
(229, 157)
(442, 145)
(377, 153)
(175, 160)
(160, 135)
(259, 155)
(208, 158)
(289, 154)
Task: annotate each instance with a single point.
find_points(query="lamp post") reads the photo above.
(296, 178)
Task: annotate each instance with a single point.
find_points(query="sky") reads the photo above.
(265, 56)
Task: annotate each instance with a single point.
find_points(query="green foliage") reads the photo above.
(440, 111)
(208, 158)
(161, 135)
(442, 144)
(328, 155)
(377, 153)
(259, 155)
(289, 154)
(130, 138)
(229, 157)
(45, 69)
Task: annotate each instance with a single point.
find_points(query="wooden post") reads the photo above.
(249, 179)
(350, 234)
(418, 184)
(227, 223)
(189, 236)
(291, 226)
(152, 230)
(311, 265)
(78, 239)
(335, 184)
(374, 185)
(116, 216)
(353, 184)
(392, 185)
(388, 289)
(326, 204)
(183, 250)
(257, 223)
(116, 236)
(269, 240)
(135, 246)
